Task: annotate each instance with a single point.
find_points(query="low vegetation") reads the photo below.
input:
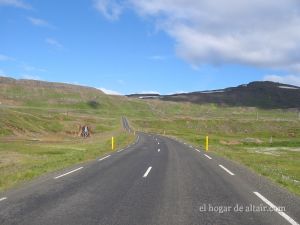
(36, 141)
(39, 130)
(267, 141)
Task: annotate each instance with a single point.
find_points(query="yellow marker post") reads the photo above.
(112, 143)
(206, 143)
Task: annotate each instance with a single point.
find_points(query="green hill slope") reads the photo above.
(39, 125)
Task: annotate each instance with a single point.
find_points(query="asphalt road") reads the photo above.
(157, 180)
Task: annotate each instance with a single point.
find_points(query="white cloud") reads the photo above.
(39, 22)
(53, 42)
(150, 92)
(29, 68)
(287, 79)
(30, 77)
(15, 3)
(5, 58)
(158, 57)
(110, 9)
(3, 74)
(177, 92)
(109, 92)
(261, 33)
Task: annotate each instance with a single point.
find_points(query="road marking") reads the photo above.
(191, 146)
(285, 216)
(2, 199)
(147, 172)
(158, 143)
(197, 150)
(104, 158)
(120, 150)
(158, 150)
(227, 170)
(68, 173)
(207, 156)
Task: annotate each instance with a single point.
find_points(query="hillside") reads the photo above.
(41, 93)
(267, 95)
(39, 123)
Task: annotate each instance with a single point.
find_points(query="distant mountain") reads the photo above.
(262, 94)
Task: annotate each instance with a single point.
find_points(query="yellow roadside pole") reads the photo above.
(206, 143)
(112, 143)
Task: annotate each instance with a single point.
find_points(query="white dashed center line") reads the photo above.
(158, 150)
(284, 215)
(227, 170)
(104, 158)
(207, 156)
(68, 173)
(147, 172)
(2, 199)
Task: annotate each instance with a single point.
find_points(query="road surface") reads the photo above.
(156, 180)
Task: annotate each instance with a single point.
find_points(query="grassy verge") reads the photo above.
(34, 141)
(280, 164)
(269, 146)
(24, 160)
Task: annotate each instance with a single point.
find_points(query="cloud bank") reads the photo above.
(39, 22)
(110, 9)
(15, 3)
(109, 92)
(54, 42)
(5, 58)
(259, 33)
(287, 79)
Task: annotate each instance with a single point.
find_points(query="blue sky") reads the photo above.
(132, 46)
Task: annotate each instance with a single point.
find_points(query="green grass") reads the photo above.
(281, 166)
(34, 141)
(39, 126)
(242, 139)
(24, 160)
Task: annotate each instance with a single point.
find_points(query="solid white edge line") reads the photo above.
(227, 170)
(68, 173)
(104, 158)
(120, 150)
(207, 156)
(284, 215)
(147, 172)
(2, 199)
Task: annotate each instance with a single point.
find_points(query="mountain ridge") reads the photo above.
(262, 94)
